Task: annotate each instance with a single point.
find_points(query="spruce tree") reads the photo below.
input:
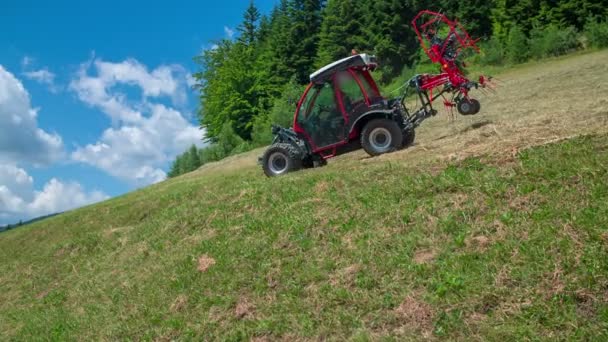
(341, 31)
(388, 28)
(304, 38)
(248, 28)
(517, 45)
(176, 167)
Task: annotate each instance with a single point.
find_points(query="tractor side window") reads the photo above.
(369, 89)
(349, 90)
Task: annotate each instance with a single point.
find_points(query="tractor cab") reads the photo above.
(337, 95)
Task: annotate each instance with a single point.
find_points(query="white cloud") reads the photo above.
(190, 80)
(19, 200)
(57, 196)
(26, 61)
(99, 91)
(136, 152)
(209, 47)
(16, 180)
(21, 140)
(229, 32)
(146, 135)
(43, 76)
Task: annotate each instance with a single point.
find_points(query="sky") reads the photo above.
(96, 97)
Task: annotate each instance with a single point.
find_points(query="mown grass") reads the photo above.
(509, 248)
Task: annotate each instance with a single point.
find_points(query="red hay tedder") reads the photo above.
(342, 109)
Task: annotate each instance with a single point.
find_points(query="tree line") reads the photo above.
(21, 223)
(247, 83)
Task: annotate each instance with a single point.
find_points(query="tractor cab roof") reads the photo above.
(355, 61)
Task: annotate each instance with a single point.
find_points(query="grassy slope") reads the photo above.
(507, 245)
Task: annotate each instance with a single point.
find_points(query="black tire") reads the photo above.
(321, 162)
(381, 136)
(280, 159)
(476, 106)
(408, 138)
(468, 107)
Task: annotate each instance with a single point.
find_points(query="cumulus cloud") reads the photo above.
(135, 152)
(19, 200)
(21, 139)
(146, 135)
(99, 91)
(17, 181)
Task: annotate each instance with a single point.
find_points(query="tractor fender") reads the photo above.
(373, 114)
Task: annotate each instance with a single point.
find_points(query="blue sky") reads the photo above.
(94, 95)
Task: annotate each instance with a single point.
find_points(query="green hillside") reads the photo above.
(492, 227)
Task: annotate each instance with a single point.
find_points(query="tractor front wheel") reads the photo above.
(381, 136)
(408, 138)
(280, 159)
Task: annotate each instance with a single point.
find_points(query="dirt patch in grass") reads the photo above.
(244, 309)
(478, 243)
(60, 252)
(424, 256)
(179, 303)
(321, 186)
(586, 303)
(415, 314)
(604, 237)
(43, 294)
(345, 276)
(205, 262)
(503, 278)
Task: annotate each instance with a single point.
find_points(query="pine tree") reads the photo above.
(248, 28)
(264, 29)
(230, 90)
(280, 44)
(193, 161)
(305, 28)
(517, 46)
(341, 31)
(474, 15)
(176, 167)
(389, 31)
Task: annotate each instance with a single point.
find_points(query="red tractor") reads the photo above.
(342, 109)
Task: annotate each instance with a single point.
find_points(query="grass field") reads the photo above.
(493, 227)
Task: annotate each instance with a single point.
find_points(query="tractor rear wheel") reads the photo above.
(381, 136)
(280, 159)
